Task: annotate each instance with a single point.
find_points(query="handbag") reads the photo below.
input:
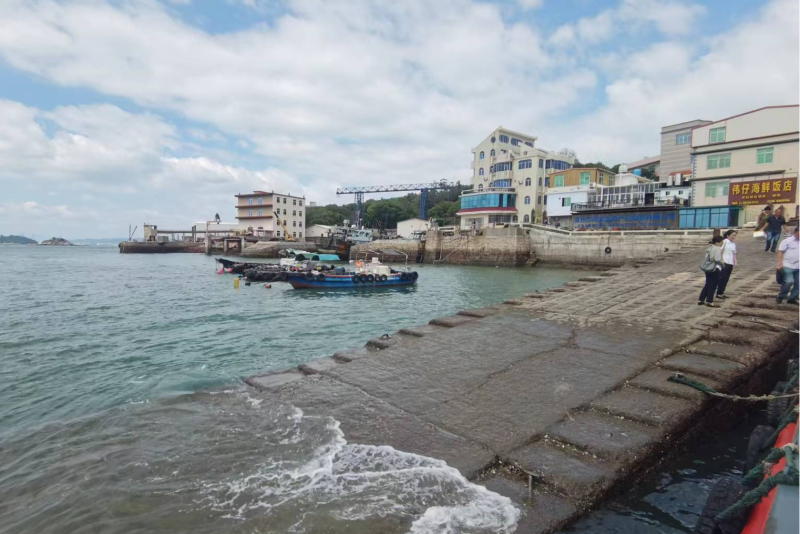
(708, 265)
(759, 234)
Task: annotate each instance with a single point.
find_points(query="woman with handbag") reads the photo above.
(729, 259)
(712, 265)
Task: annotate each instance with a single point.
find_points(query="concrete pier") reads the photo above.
(559, 399)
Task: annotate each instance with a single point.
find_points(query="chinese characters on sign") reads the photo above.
(626, 221)
(771, 191)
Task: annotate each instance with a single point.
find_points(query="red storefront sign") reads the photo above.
(770, 191)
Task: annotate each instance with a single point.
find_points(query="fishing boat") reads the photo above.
(363, 276)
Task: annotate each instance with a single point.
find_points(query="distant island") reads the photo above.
(56, 242)
(16, 240)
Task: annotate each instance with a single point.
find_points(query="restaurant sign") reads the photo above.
(770, 191)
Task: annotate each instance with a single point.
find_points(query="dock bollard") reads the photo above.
(235, 283)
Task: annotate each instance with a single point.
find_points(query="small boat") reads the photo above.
(291, 257)
(370, 275)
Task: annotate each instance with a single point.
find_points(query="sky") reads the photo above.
(118, 112)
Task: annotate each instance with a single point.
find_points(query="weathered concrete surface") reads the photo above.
(566, 386)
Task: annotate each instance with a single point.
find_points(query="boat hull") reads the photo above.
(344, 281)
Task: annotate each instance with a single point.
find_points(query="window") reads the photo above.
(717, 189)
(683, 139)
(502, 183)
(527, 181)
(277, 233)
(294, 234)
(284, 201)
(566, 201)
(294, 223)
(294, 213)
(716, 135)
(585, 177)
(299, 202)
(540, 179)
(525, 164)
(541, 163)
(480, 171)
(547, 181)
(526, 219)
(260, 213)
(764, 155)
(559, 181)
(260, 201)
(529, 143)
(482, 155)
(514, 219)
(719, 161)
(504, 166)
(300, 213)
(493, 140)
(300, 224)
(249, 213)
(515, 141)
(492, 153)
(480, 186)
(539, 199)
(601, 179)
(250, 201)
(527, 200)
(504, 139)
(294, 202)
(284, 210)
(300, 234)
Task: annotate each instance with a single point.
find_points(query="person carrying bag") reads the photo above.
(712, 266)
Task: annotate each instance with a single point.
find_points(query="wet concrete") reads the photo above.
(565, 388)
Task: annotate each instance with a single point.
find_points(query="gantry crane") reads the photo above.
(422, 188)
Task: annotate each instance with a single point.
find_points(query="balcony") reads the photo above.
(636, 204)
(488, 190)
(254, 206)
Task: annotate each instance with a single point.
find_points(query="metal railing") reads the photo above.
(611, 205)
(488, 190)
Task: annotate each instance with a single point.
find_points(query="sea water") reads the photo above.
(122, 407)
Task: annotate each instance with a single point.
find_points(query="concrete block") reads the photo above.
(739, 353)
(592, 278)
(479, 313)
(724, 371)
(656, 380)
(273, 381)
(318, 366)
(451, 321)
(420, 331)
(384, 342)
(542, 511)
(608, 437)
(352, 354)
(647, 407)
(575, 474)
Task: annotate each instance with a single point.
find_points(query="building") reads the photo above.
(508, 180)
(747, 160)
(572, 186)
(256, 213)
(676, 148)
(652, 164)
(411, 228)
(318, 230)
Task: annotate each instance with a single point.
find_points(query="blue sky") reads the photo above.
(126, 111)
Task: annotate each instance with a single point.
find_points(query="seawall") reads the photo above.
(166, 247)
(493, 246)
(559, 399)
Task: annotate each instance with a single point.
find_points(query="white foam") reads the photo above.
(312, 464)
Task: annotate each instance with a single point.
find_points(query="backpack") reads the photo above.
(708, 265)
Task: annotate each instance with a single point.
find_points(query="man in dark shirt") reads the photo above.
(774, 228)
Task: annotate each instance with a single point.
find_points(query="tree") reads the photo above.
(444, 212)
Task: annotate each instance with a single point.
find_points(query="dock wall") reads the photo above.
(153, 247)
(494, 246)
(609, 249)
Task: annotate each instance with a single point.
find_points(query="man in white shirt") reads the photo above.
(789, 264)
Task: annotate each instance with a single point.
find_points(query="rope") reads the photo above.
(679, 378)
(788, 476)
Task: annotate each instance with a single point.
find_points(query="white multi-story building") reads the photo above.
(508, 180)
(747, 160)
(256, 213)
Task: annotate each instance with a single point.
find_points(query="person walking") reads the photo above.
(763, 216)
(712, 266)
(789, 265)
(775, 224)
(729, 259)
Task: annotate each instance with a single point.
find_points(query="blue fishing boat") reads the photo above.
(367, 276)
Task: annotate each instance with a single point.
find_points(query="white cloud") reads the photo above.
(670, 18)
(530, 4)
